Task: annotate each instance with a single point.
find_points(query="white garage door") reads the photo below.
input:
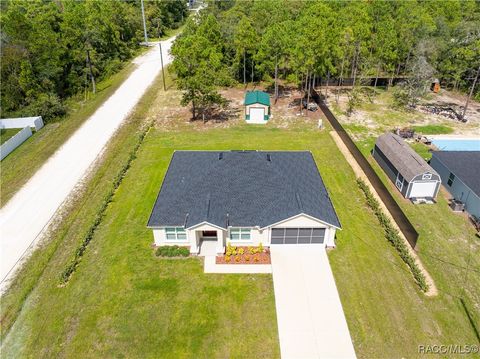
(257, 115)
(422, 189)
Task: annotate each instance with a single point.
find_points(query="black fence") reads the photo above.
(364, 81)
(400, 218)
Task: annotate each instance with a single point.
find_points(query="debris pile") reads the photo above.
(405, 132)
(442, 110)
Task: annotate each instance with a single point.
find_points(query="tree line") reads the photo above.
(52, 50)
(300, 41)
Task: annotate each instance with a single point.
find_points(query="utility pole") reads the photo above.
(89, 64)
(144, 23)
(470, 95)
(163, 72)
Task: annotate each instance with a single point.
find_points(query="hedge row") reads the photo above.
(172, 251)
(80, 251)
(393, 236)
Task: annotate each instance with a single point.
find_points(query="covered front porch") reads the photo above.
(207, 239)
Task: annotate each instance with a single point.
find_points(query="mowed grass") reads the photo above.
(433, 129)
(124, 302)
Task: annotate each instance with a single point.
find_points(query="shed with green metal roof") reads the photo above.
(257, 107)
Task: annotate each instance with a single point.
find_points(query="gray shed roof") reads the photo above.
(465, 165)
(240, 189)
(402, 156)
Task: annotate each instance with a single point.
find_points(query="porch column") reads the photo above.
(330, 237)
(220, 242)
(194, 242)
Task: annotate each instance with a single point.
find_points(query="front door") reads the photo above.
(209, 234)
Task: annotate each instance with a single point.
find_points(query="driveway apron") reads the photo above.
(311, 322)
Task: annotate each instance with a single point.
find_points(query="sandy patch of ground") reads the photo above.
(379, 116)
(171, 116)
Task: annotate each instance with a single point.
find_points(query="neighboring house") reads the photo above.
(460, 172)
(257, 107)
(245, 198)
(410, 173)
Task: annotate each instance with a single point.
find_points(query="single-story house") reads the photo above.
(410, 173)
(244, 198)
(460, 173)
(257, 107)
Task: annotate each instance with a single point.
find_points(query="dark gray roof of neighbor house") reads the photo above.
(464, 165)
(402, 156)
(240, 189)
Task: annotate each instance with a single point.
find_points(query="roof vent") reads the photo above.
(207, 207)
(220, 155)
(299, 201)
(269, 158)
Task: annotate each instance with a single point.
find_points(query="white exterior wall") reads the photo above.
(22, 122)
(13, 142)
(257, 235)
(256, 105)
(160, 239)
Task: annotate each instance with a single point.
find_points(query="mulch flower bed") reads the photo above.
(246, 257)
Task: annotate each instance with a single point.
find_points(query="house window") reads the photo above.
(240, 234)
(399, 181)
(175, 234)
(451, 178)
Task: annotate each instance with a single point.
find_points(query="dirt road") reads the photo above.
(29, 212)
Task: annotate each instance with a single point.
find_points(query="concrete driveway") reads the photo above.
(311, 323)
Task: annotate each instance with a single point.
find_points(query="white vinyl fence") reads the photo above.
(14, 141)
(22, 122)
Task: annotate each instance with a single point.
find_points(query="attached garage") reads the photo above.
(297, 235)
(409, 172)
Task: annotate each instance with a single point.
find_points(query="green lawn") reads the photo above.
(124, 302)
(433, 129)
(6, 134)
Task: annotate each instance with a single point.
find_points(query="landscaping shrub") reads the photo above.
(172, 251)
(393, 236)
(79, 252)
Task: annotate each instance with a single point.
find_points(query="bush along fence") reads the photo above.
(80, 251)
(393, 236)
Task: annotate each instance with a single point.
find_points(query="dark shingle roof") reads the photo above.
(240, 188)
(252, 97)
(464, 165)
(402, 156)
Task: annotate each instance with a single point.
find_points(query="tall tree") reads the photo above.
(273, 49)
(199, 69)
(245, 38)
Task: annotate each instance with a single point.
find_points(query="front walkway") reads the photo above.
(311, 322)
